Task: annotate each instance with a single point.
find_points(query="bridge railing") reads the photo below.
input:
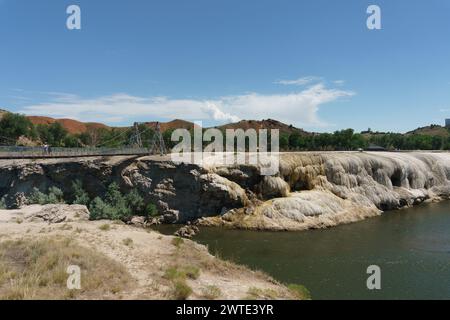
(9, 152)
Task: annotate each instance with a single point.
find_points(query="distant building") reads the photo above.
(447, 123)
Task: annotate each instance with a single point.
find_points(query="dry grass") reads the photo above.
(256, 293)
(31, 269)
(211, 292)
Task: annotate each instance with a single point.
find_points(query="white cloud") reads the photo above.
(299, 82)
(339, 82)
(298, 108)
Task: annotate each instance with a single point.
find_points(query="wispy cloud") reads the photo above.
(298, 108)
(300, 81)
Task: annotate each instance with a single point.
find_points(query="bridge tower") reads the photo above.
(157, 143)
(136, 139)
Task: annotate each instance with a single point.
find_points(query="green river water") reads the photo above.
(412, 248)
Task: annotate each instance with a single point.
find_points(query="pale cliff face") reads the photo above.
(312, 190)
(325, 189)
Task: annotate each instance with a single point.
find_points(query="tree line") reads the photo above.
(349, 140)
(13, 127)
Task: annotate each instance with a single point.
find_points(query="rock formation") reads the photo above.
(312, 190)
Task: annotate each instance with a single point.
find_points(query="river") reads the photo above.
(412, 248)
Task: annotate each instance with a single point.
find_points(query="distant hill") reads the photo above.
(77, 127)
(431, 130)
(172, 125)
(72, 126)
(3, 112)
(264, 124)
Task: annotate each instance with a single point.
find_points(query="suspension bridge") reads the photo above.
(135, 146)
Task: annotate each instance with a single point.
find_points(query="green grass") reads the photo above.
(299, 291)
(105, 227)
(177, 242)
(175, 273)
(181, 290)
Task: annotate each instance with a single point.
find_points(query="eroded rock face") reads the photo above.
(311, 189)
(181, 192)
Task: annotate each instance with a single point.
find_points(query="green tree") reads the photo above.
(53, 134)
(81, 196)
(13, 126)
(284, 141)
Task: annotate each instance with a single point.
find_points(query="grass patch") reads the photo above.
(299, 291)
(178, 277)
(182, 273)
(37, 269)
(177, 242)
(181, 290)
(128, 242)
(211, 292)
(257, 293)
(105, 227)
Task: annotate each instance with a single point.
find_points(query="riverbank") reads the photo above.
(117, 261)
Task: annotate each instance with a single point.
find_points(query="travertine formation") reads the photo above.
(312, 190)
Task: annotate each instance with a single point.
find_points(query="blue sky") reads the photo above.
(310, 63)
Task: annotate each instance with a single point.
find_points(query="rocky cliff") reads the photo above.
(312, 190)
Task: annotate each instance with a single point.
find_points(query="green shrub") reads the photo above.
(135, 201)
(81, 196)
(100, 210)
(37, 197)
(54, 196)
(3, 204)
(151, 211)
(115, 199)
(115, 205)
